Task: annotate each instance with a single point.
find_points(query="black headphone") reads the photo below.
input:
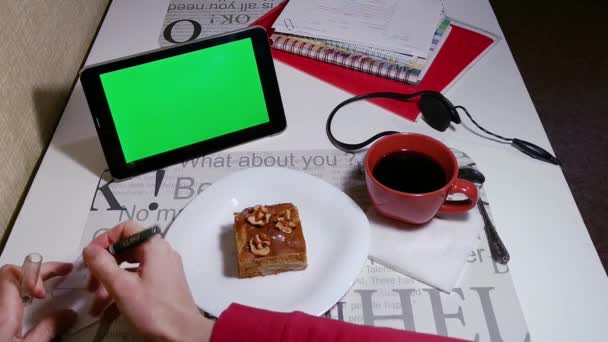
(438, 112)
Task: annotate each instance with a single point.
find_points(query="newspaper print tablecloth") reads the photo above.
(189, 20)
(484, 308)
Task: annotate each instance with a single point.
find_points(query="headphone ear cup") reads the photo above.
(455, 117)
(436, 112)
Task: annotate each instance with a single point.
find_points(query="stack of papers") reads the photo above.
(392, 38)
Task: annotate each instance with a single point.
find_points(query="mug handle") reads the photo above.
(463, 187)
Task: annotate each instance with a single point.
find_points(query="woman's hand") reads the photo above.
(155, 297)
(11, 305)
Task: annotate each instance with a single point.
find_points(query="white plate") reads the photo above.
(335, 229)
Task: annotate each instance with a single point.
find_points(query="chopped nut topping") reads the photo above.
(259, 216)
(284, 222)
(251, 219)
(284, 227)
(260, 245)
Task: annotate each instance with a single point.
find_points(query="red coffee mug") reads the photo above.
(417, 208)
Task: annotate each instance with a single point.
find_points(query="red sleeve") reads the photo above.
(242, 323)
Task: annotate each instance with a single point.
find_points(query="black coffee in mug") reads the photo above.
(410, 171)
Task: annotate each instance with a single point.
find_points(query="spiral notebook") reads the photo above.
(357, 61)
(463, 47)
(399, 67)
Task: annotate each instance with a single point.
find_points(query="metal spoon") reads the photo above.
(497, 247)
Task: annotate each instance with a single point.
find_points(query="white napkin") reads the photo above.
(434, 253)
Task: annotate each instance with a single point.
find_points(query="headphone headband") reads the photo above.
(436, 110)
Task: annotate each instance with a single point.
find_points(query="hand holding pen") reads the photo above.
(157, 308)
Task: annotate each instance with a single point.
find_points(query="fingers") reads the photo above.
(102, 301)
(123, 231)
(11, 307)
(104, 268)
(51, 326)
(117, 233)
(49, 270)
(55, 269)
(101, 263)
(145, 251)
(158, 254)
(10, 275)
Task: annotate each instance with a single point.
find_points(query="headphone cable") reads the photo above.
(526, 147)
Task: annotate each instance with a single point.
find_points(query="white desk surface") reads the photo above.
(557, 273)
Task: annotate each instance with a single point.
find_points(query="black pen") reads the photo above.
(133, 240)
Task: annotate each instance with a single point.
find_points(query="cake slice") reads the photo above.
(269, 240)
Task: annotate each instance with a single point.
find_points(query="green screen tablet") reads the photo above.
(169, 105)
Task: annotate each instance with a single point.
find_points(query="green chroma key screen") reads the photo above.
(181, 100)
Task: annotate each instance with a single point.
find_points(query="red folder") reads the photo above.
(461, 48)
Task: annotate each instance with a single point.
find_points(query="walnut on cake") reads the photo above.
(269, 240)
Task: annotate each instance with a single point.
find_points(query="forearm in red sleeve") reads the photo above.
(242, 323)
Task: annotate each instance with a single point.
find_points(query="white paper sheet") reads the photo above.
(405, 26)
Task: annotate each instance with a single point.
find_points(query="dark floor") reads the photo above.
(561, 51)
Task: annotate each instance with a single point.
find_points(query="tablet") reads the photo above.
(173, 104)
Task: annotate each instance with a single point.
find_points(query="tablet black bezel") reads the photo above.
(104, 123)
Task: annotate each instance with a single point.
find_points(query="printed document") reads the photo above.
(404, 26)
